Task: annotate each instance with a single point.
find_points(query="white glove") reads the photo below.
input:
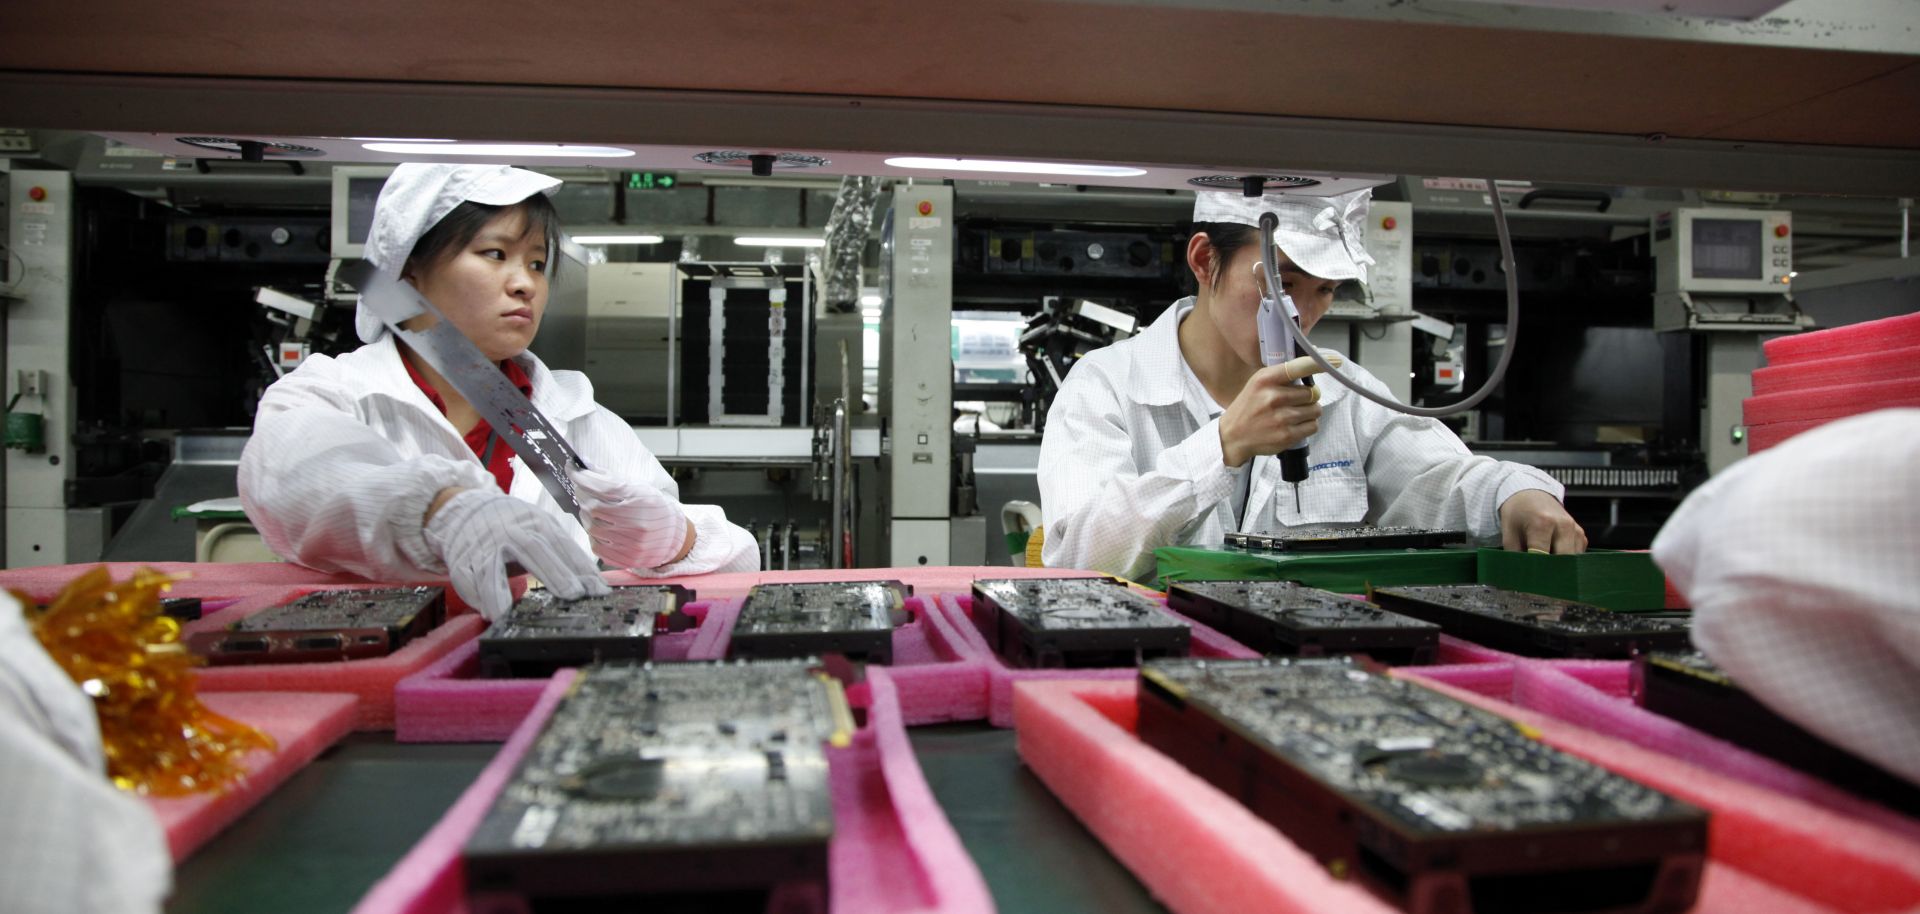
(478, 532)
(632, 524)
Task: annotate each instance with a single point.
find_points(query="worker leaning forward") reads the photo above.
(372, 464)
(1139, 453)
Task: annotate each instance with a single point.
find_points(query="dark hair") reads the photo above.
(457, 229)
(1227, 238)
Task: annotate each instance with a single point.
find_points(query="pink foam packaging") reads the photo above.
(1200, 851)
(1206, 642)
(373, 680)
(1594, 694)
(448, 701)
(1835, 402)
(1804, 848)
(1900, 332)
(302, 724)
(1852, 368)
(893, 849)
(937, 679)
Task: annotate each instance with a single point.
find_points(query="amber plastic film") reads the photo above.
(113, 639)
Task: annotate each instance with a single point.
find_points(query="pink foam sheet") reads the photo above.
(893, 849)
(1206, 642)
(1855, 368)
(1594, 694)
(937, 678)
(1900, 332)
(302, 725)
(1803, 848)
(448, 701)
(373, 680)
(927, 579)
(1200, 851)
(197, 579)
(1836, 402)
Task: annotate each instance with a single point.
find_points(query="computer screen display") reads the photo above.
(1727, 249)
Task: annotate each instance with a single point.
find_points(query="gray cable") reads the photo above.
(1269, 222)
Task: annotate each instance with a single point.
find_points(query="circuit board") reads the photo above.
(1344, 537)
(1287, 619)
(1074, 622)
(666, 780)
(1428, 801)
(854, 619)
(1688, 687)
(543, 633)
(1537, 626)
(327, 625)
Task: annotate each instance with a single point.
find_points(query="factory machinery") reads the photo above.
(753, 382)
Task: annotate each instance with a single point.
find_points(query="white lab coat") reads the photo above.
(1802, 566)
(1131, 461)
(70, 842)
(347, 452)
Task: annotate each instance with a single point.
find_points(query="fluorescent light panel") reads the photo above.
(767, 241)
(501, 150)
(872, 301)
(618, 239)
(999, 166)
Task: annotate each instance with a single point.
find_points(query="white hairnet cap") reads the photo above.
(416, 197)
(1323, 236)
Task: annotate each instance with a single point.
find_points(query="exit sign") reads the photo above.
(651, 180)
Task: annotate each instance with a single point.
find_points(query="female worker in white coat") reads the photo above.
(1140, 453)
(372, 464)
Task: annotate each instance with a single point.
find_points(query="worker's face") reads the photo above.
(494, 288)
(1236, 294)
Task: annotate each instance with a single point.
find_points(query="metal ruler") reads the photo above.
(501, 405)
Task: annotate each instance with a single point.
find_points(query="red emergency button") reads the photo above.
(1781, 231)
(926, 207)
(37, 194)
(1388, 223)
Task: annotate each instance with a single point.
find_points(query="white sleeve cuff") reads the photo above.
(408, 520)
(719, 545)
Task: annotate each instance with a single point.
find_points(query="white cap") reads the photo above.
(1323, 236)
(416, 197)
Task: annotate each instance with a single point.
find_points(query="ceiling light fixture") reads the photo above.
(618, 239)
(501, 150)
(765, 241)
(871, 300)
(1018, 168)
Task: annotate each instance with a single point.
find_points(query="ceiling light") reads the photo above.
(618, 239)
(764, 241)
(872, 314)
(871, 300)
(394, 139)
(1018, 168)
(500, 150)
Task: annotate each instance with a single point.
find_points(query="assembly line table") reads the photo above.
(326, 836)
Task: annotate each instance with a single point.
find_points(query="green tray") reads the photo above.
(1621, 581)
(1340, 572)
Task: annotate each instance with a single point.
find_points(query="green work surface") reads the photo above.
(322, 840)
(1624, 581)
(1036, 857)
(1340, 572)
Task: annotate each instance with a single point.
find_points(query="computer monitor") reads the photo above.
(1727, 251)
(356, 188)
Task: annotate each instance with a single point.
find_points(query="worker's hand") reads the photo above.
(477, 533)
(1534, 521)
(632, 524)
(1271, 414)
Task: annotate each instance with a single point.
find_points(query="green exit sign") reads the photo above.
(651, 180)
